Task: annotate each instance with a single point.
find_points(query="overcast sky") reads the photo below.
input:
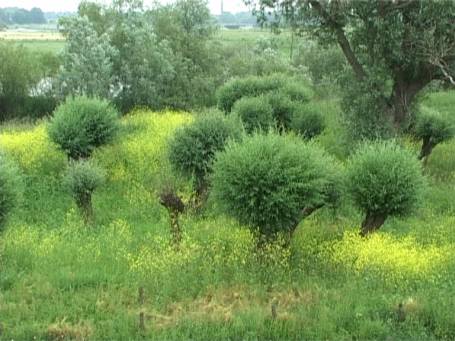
(71, 5)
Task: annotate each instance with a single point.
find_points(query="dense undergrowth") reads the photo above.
(62, 280)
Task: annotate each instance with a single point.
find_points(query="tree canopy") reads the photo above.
(395, 48)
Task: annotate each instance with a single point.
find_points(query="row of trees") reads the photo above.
(270, 181)
(20, 16)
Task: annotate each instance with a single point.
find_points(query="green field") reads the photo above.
(46, 46)
(61, 280)
(242, 37)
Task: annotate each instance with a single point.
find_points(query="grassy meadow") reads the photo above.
(61, 280)
(39, 41)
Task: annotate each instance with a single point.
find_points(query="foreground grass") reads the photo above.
(61, 280)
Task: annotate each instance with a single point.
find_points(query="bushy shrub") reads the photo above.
(82, 124)
(432, 128)
(193, 147)
(307, 121)
(255, 113)
(234, 90)
(10, 188)
(283, 109)
(297, 91)
(82, 179)
(385, 180)
(39, 106)
(271, 182)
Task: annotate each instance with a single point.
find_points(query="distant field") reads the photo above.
(30, 35)
(53, 46)
(39, 41)
(51, 41)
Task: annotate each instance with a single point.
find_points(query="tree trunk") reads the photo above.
(86, 208)
(403, 97)
(427, 148)
(174, 205)
(372, 223)
(176, 232)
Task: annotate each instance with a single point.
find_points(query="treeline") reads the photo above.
(20, 16)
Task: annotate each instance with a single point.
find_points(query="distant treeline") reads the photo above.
(20, 16)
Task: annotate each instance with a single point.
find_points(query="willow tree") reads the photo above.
(395, 48)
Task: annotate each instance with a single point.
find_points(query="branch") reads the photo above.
(342, 40)
(444, 71)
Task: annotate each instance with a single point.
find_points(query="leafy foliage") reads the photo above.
(307, 121)
(18, 74)
(283, 108)
(193, 147)
(267, 181)
(388, 48)
(252, 86)
(433, 128)
(255, 112)
(88, 60)
(147, 58)
(82, 124)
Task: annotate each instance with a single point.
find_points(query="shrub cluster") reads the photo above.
(193, 147)
(273, 101)
(271, 182)
(82, 124)
(384, 180)
(234, 90)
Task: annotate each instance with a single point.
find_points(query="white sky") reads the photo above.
(71, 5)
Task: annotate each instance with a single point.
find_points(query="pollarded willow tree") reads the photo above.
(395, 48)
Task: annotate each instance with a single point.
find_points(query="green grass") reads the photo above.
(47, 46)
(61, 280)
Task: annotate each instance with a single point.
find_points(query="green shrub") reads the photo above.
(283, 109)
(10, 188)
(82, 179)
(432, 128)
(234, 90)
(297, 91)
(193, 147)
(255, 113)
(39, 106)
(271, 182)
(385, 180)
(82, 124)
(307, 121)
